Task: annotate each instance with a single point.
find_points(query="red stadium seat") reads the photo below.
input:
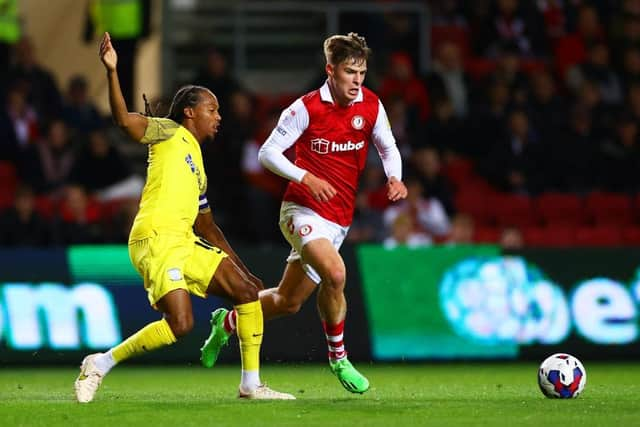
(603, 235)
(486, 234)
(6, 198)
(559, 209)
(609, 208)
(549, 236)
(511, 210)
(479, 67)
(8, 175)
(46, 206)
(568, 50)
(8, 183)
(93, 211)
(459, 172)
(450, 33)
(110, 208)
(532, 66)
(474, 204)
(631, 235)
(636, 208)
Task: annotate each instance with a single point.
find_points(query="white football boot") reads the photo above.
(88, 380)
(262, 392)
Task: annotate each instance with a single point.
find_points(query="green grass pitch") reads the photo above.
(494, 394)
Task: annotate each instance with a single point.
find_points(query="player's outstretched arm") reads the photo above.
(206, 227)
(133, 124)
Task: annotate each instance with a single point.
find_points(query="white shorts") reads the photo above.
(300, 225)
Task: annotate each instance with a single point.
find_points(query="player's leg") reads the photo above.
(227, 280)
(327, 262)
(324, 258)
(167, 291)
(177, 322)
(294, 289)
(287, 298)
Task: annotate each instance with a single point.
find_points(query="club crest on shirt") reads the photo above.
(305, 230)
(175, 274)
(357, 122)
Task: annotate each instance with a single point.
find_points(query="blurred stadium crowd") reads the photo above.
(524, 132)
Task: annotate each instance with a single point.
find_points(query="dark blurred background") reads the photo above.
(517, 122)
(516, 119)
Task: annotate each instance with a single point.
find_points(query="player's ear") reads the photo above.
(329, 69)
(188, 112)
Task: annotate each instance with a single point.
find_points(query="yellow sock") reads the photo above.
(153, 336)
(249, 330)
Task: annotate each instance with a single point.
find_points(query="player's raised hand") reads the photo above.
(320, 189)
(396, 189)
(108, 54)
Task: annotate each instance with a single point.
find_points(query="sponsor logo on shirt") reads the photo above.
(202, 184)
(189, 161)
(288, 116)
(281, 131)
(323, 146)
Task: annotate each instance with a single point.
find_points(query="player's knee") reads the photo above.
(289, 306)
(244, 292)
(335, 279)
(181, 324)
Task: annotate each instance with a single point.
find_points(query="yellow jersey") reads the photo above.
(176, 182)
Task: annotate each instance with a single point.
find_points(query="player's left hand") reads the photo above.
(396, 189)
(107, 53)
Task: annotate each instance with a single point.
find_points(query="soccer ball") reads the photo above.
(562, 376)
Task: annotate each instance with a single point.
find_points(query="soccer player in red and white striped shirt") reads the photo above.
(331, 129)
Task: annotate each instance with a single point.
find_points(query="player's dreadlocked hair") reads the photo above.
(147, 108)
(186, 96)
(339, 48)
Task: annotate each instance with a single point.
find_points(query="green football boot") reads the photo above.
(217, 339)
(349, 377)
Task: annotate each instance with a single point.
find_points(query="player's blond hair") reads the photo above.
(339, 48)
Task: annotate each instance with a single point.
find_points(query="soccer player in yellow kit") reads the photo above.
(173, 260)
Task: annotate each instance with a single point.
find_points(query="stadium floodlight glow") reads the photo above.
(51, 315)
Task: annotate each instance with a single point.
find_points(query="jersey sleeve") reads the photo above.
(159, 129)
(293, 122)
(385, 143)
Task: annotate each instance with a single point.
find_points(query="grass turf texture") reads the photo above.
(401, 395)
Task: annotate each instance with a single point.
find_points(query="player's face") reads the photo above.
(345, 79)
(206, 116)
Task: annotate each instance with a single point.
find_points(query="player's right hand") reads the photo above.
(320, 189)
(108, 54)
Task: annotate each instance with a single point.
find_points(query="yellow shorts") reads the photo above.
(167, 262)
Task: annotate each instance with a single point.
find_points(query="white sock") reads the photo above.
(104, 362)
(250, 380)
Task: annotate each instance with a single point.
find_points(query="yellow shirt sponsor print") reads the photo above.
(175, 180)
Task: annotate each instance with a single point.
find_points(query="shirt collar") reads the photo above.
(325, 94)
